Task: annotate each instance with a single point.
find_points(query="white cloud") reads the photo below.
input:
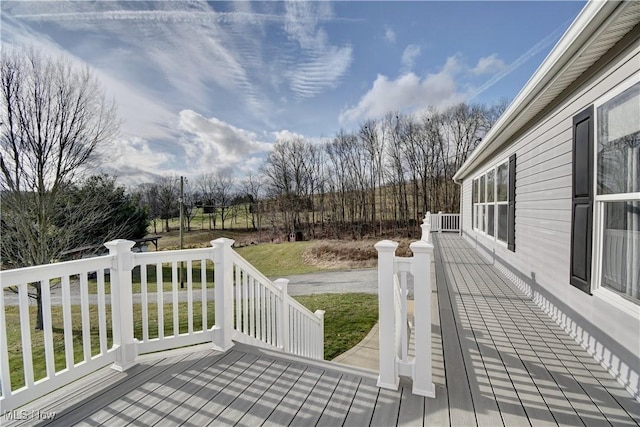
(489, 65)
(322, 65)
(408, 92)
(211, 143)
(409, 56)
(389, 35)
(286, 135)
(135, 160)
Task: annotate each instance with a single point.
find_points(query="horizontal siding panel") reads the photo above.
(551, 231)
(543, 215)
(557, 225)
(548, 148)
(557, 178)
(537, 192)
(544, 205)
(559, 162)
(557, 154)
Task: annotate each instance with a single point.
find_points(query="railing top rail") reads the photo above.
(304, 310)
(175, 255)
(402, 264)
(246, 266)
(267, 283)
(54, 270)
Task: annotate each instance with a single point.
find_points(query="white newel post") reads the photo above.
(283, 322)
(320, 315)
(388, 377)
(426, 228)
(440, 222)
(122, 304)
(223, 292)
(422, 377)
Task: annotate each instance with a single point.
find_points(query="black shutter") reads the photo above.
(582, 201)
(511, 211)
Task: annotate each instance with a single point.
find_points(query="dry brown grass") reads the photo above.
(341, 254)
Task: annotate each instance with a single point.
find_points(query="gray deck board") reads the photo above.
(461, 410)
(336, 410)
(386, 410)
(250, 396)
(209, 383)
(316, 401)
(294, 398)
(498, 360)
(470, 332)
(411, 412)
(250, 370)
(363, 403)
(273, 398)
(147, 398)
(548, 360)
(140, 375)
(491, 322)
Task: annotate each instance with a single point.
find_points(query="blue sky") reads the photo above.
(209, 86)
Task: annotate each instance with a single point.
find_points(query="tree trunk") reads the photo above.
(39, 316)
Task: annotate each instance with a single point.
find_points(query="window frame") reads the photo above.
(483, 206)
(599, 202)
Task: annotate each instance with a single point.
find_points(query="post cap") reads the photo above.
(421, 247)
(120, 245)
(386, 246)
(223, 241)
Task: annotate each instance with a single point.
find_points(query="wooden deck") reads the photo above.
(498, 360)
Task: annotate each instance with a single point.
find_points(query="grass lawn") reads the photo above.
(279, 259)
(348, 319)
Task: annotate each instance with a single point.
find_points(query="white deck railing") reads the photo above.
(248, 307)
(445, 222)
(393, 314)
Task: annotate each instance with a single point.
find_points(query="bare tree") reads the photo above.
(189, 204)
(148, 196)
(167, 198)
(252, 188)
(225, 187)
(207, 187)
(53, 118)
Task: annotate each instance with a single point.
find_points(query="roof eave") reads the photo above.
(584, 27)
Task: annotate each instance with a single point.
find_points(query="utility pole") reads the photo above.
(181, 228)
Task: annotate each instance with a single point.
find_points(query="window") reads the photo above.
(474, 196)
(481, 201)
(617, 200)
(502, 191)
(491, 201)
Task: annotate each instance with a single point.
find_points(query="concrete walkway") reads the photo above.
(366, 353)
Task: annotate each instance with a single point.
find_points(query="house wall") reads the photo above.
(540, 264)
